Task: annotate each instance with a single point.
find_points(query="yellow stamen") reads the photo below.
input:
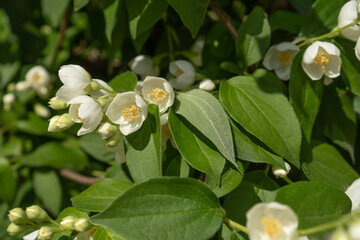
(157, 95)
(36, 77)
(130, 113)
(272, 226)
(321, 60)
(78, 117)
(285, 58)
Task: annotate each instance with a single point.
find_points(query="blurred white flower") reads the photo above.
(207, 85)
(357, 49)
(8, 99)
(22, 86)
(184, 73)
(59, 123)
(279, 172)
(144, 66)
(31, 236)
(119, 150)
(37, 77)
(85, 110)
(354, 230)
(75, 80)
(340, 234)
(139, 86)
(128, 110)
(348, 14)
(353, 192)
(271, 221)
(197, 49)
(322, 58)
(41, 110)
(279, 57)
(158, 91)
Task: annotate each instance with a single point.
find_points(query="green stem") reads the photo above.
(55, 223)
(236, 225)
(288, 180)
(267, 169)
(108, 95)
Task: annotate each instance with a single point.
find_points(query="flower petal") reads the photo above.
(313, 71)
(74, 76)
(311, 52)
(283, 72)
(333, 67)
(353, 193)
(269, 58)
(330, 48)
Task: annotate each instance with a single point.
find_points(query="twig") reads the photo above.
(61, 35)
(223, 18)
(76, 177)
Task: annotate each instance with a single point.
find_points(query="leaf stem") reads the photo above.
(288, 180)
(236, 225)
(230, 27)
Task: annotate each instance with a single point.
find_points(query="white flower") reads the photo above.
(322, 58)
(207, 85)
(279, 57)
(59, 123)
(87, 111)
(357, 49)
(158, 91)
(128, 110)
(144, 66)
(272, 220)
(197, 49)
(31, 236)
(354, 230)
(75, 80)
(37, 77)
(279, 172)
(8, 99)
(22, 86)
(119, 150)
(41, 110)
(348, 14)
(353, 193)
(184, 73)
(139, 86)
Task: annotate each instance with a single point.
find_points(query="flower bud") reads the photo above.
(45, 233)
(60, 123)
(68, 222)
(279, 172)
(107, 130)
(37, 214)
(18, 216)
(83, 225)
(57, 104)
(43, 92)
(114, 140)
(339, 234)
(14, 229)
(41, 110)
(354, 230)
(22, 86)
(8, 98)
(207, 85)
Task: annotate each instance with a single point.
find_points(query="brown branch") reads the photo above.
(61, 36)
(76, 177)
(223, 18)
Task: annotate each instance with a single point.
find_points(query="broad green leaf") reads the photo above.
(47, 187)
(93, 145)
(5, 26)
(106, 234)
(302, 6)
(177, 167)
(143, 156)
(111, 14)
(119, 172)
(328, 166)
(287, 21)
(141, 39)
(262, 110)
(53, 10)
(7, 181)
(78, 4)
(305, 96)
(205, 113)
(322, 18)
(227, 234)
(195, 148)
(143, 14)
(124, 82)
(253, 38)
(164, 208)
(57, 155)
(273, 82)
(99, 195)
(192, 13)
(314, 203)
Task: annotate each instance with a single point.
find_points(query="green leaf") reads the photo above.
(195, 148)
(112, 16)
(302, 6)
(177, 167)
(48, 188)
(106, 234)
(322, 18)
(7, 181)
(143, 14)
(93, 145)
(328, 166)
(78, 4)
(141, 39)
(314, 203)
(53, 11)
(264, 111)
(205, 113)
(164, 208)
(192, 13)
(287, 21)
(305, 96)
(124, 82)
(99, 195)
(253, 38)
(143, 156)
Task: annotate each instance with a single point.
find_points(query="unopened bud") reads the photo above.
(83, 225)
(114, 140)
(68, 222)
(92, 87)
(354, 230)
(60, 123)
(107, 130)
(14, 229)
(57, 104)
(207, 85)
(18, 216)
(8, 98)
(279, 172)
(22, 86)
(43, 91)
(37, 214)
(45, 233)
(339, 234)
(41, 110)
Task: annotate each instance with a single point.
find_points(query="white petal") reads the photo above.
(283, 72)
(184, 81)
(74, 75)
(333, 67)
(284, 46)
(348, 12)
(357, 49)
(353, 193)
(66, 93)
(313, 71)
(164, 118)
(330, 48)
(73, 113)
(142, 65)
(130, 127)
(270, 60)
(186, 66)
(81, 99)
(31, 236)
(310, 53)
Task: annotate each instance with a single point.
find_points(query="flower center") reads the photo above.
(36, 77)
(78, 117)
(179, 72)
(284, 58)
(157, 95)
(321, 60)
(272, 226)
(130, 113)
